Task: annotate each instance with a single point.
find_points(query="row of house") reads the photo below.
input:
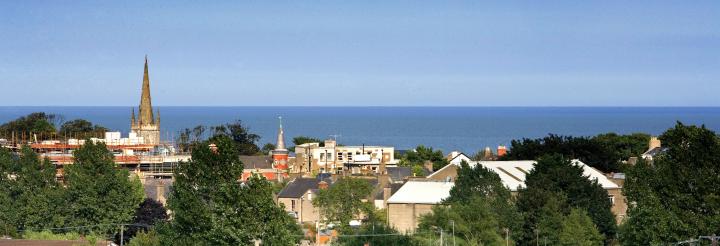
(407, 197)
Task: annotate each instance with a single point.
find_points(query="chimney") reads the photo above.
(387, 191)
(323, 185)
(213, 148)
(428, 165)
(160, 190)
(330, 143)
(501, 151)
(654, 143)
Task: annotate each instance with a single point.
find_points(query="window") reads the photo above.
(322, 156)
(349, 156)
(329, 157)
(292, 205)
(340, 156)
(612, 200)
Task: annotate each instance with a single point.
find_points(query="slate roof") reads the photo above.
(399, 173)
(256, 161)
(298, 186)
(393, 188)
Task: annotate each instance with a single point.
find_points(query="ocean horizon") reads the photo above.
(463, 128)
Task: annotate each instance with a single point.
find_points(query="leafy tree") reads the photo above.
(423, 154)
(474, 221)
(483, 155)
(97, 192)
(147, 214)
(556, 178)
(480, 206)
(80, 128)
(149, 238)
(244, 140)
(303, 140)
(28, 190)
(342, 201)
(211, 206)
(677, 196)
(374, 229)
(39, 123)
(267, 148)
(603, 152)
(578, 229)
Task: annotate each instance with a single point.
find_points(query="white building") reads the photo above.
(331, 158)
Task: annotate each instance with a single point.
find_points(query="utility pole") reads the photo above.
(453, 231)
(507, 236)
(122, 238)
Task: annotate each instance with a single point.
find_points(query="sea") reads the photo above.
(466, 129)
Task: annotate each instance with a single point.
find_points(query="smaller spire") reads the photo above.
(281, 136)
(132, 117)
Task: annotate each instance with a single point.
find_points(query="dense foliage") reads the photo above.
(27, 192)
(245, 142)
(480, 209)
(43, 126)
(81, 129)
(303, 140)
(421, 155)
(342, 201)
(604, 152)
(96, 197)
(97, 192)
(211, 206)
(553, 187)
(677, 195)
(147, 215)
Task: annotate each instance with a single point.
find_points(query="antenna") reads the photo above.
(335, 136)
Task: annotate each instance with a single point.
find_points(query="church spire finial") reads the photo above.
(146, 113)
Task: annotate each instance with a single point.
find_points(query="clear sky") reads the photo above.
(362, 53)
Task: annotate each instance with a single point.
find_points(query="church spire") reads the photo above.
(132, 117)
(281, 136)
(146, 113)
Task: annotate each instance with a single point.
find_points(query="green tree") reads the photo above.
(303, 140)
(677, 196)
(212, 207)
(480, 207)
(80, 128)
(473, 220)
(342, 201)
(268, 148)
(149, 238)
(28, 190)
(557, 178)
(245, 141)
(39, 123)
(578, 229)
(147, 214)
(604, 152)
(98, 193)
(423, 154)
(364, 236)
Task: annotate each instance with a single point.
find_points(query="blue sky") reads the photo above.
(362, 53)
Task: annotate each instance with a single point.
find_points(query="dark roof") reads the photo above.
(298, 186)
(399, 173)
(393, 188)
(256, 161)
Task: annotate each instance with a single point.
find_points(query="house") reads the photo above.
(512, 174)
(414, 199)
(261, 165)
(332, 158)
(297, 197)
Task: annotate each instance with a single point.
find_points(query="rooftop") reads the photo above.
(423, 192)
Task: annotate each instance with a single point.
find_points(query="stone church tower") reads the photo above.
(146, 125)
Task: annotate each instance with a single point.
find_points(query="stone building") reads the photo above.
(146, 125)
